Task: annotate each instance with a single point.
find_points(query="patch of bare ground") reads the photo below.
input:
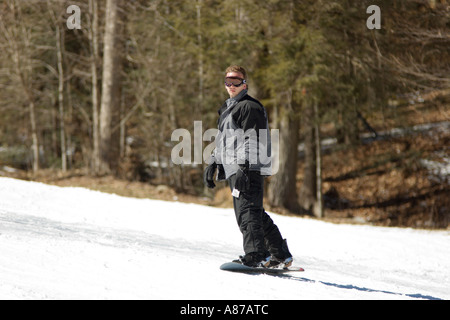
(385, 183)
(391, 181)
(111, 184)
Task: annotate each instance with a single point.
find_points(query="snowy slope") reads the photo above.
(73, 243)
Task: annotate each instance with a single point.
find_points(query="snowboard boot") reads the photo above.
(254, 260)
(282, 259)
(280, 263)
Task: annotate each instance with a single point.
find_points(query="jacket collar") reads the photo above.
(239, 97)
(233, 101)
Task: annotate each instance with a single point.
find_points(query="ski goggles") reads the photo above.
(234, 81)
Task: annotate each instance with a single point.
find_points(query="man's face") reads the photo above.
(234, 77)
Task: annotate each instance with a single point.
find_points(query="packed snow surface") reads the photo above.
(74, 243)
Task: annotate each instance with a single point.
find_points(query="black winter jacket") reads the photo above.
(243, 136)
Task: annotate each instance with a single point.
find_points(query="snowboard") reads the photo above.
(237, 267)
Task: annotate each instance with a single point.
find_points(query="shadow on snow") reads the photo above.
(352, 287)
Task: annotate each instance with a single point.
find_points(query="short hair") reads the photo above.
(235, 68)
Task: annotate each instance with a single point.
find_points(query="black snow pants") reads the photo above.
(259, 232)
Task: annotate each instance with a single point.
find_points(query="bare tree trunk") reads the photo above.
(122, 127)
(70, 129)
(109, 84)
(282, 189)
(93, 37)
(200, 56)
(318, 206)
(307, 196)
(62, 127)
(34, 136)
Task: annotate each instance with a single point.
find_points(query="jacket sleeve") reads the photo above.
(251, 119)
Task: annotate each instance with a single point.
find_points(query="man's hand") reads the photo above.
(242, 180)
(208, 175)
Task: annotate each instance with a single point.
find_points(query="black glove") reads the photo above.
(220, 173)
(208, 175)
(242, 180)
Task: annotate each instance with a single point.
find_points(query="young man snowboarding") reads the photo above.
(242, 156)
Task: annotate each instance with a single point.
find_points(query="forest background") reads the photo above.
(91, 92)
